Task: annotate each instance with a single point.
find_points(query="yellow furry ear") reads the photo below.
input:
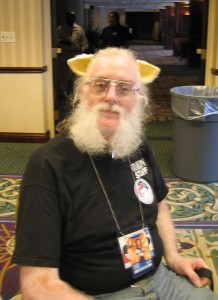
(148, 71)
(79, 64)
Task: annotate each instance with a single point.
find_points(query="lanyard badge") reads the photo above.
(136, 247)
(137, 251)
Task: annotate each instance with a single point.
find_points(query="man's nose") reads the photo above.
(111, 95)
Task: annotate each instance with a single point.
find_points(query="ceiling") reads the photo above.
(132, 5)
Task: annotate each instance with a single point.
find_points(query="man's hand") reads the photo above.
(176, 262)
(187, 266)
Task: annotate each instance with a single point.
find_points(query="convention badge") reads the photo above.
(137, 251)
(143, 191)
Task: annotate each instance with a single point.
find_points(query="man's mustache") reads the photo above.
(107, 106)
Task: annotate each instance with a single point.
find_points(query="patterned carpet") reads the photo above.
(193, 202)
(194, 209)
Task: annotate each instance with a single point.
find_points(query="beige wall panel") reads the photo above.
(26, 99)
(21, 103)
(21, 17)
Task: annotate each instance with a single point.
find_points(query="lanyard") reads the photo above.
(108, 199)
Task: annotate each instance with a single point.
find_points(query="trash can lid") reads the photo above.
(196, 91)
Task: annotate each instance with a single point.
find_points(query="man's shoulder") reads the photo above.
(123, 27)
(77, 26)
(106, 28)
(123, 30)
(57, 144)
(60, 150)
(145, 147)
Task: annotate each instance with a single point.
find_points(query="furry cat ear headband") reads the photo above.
(79, 64)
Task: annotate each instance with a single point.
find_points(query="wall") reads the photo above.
(211, 76)
(26, 98)
(21, 17)
(77, 6)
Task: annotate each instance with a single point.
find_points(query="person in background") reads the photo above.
(93, 40)
(115, 35)
(79, 197)
(71, 39)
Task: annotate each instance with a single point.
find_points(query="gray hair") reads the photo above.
(112, 52)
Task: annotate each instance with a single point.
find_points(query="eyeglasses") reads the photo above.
(100, 86)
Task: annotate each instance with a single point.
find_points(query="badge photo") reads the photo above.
(137, 251)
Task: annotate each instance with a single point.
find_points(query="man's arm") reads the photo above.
(181, 265)
(62, 40)
(44, 283)
(85, 43)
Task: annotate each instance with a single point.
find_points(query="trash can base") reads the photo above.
(195, 153)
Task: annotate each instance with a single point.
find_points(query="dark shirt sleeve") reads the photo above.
(159, 184)
(38, 232)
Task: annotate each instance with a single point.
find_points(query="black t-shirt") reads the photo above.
(64, 219)
(115, 36)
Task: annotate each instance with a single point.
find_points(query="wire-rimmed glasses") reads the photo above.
(100, 86)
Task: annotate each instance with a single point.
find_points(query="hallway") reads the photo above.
(155, 54)
(174, 72)
(14, 156)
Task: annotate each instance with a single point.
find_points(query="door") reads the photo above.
(198, 36)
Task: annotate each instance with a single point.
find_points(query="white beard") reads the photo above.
(90, 138)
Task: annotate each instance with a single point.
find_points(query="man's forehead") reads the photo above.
(123, 74)
(124, 61)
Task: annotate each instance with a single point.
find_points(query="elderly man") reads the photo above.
(93, 191)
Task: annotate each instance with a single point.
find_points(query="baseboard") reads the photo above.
(14, 137)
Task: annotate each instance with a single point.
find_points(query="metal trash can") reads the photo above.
(195, 137)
